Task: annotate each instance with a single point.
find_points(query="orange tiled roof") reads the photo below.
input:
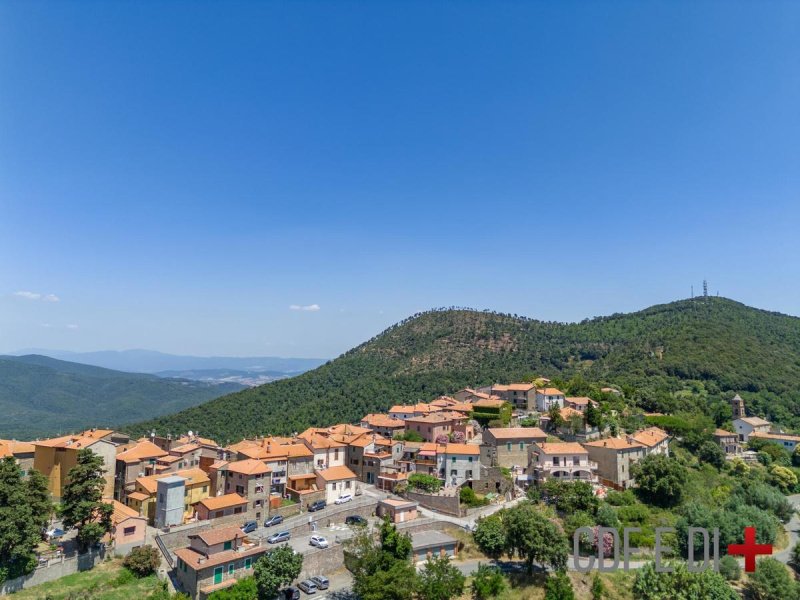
(462, 449)
(561, 448)
(336, 473)
(503, 433)
(221, 502)
(650, 437)
(493, 402)
(192, 476)
(248, 466)
(141, 451)
(614, 444)
(380, 420)
(122, 512)
(13, 447)
(550, 392)
(219, 535)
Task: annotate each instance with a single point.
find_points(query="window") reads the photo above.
(231, 569)
(218, 514)
(205, 489)
(508, 446)
(522, 445)
(129, 531)
(454, 459)
(336, 454)
(227, 545)
(248, 563)
(347, 485)
(470, 459)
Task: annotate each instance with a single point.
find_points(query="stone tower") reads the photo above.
(737, 406)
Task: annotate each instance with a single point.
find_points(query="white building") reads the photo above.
(458, 463)
(567, 461)
(786, 441)
(745, 426)
(547, 397)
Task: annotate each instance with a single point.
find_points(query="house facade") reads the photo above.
(508, 446)
(546, 398)
(746, 426)
(728, 441)
(566, 461)
(614, 458)
(459, 463)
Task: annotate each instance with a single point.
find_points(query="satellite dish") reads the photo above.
(190, 433)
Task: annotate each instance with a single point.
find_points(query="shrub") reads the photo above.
(469, 498)
(488, 582)
(143, 561)
(729, 568)
(625, 498)
(771, 581)
(558, 587)
(634, 513)
(426, 483)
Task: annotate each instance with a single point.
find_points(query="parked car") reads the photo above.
(273, 520)
(321, 582)
(277, 538)
(308, 586)
(54, 533)
(249, 526)
(318, 505)
(318, 541)
(291, 593)
(344, 498)
(355, 520)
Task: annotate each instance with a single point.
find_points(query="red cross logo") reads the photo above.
(749, 549)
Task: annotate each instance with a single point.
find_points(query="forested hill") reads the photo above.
(667, 357)
(42, 396)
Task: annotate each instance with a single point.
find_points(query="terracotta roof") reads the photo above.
(68, 441)
(336, 473)
(122, 512)
(568, 413)
(169, 459)
(400, 408)
(579, 400)
(192, 557)
(138, 496)
(220, 502)
(13, 447)
(346, 429)
(462, 449)
(492, 402)
(512, 433)
(322, 442)
(723, 433)
(298, 451)
(248, 466)
(561, 448)
(141, 451)
(379, 420)
(614, 444)
(755, 421)
(464, 407)
(430, 418)
(192, 476)
(786, 437)
(185, 439)
(97, 433)
(650, 436)
(219, 535)
(366, 440)
(399, 503)
(520, 387)
(550, 392)
(183, 449)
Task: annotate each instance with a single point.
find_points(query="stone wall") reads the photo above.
(322, 562)
(54, 569)
(449, 505)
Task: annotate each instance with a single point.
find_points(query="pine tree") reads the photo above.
(82, 506)
(20, 530)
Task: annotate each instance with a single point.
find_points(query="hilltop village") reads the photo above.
(210, 509)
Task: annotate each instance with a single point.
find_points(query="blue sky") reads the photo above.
(179, 175)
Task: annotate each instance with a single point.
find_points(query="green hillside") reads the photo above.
(675, 356)
(41, 396)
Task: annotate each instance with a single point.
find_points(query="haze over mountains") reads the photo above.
(667, 358)
(41, 396)
(247, 371)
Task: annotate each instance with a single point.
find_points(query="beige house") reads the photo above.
(220, 506)
(54, 458)
(728, 441)
(654, 440)
(398, 511)
(336, 481)
(508, 446)
(23, 453)
(614, 458)
(215, 560)
(567, 461)
(519, 395)
(383, 424)
(250, 479)
(579, 403)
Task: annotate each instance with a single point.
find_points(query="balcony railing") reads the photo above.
(549, 465)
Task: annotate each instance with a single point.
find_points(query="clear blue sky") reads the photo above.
(177, 175)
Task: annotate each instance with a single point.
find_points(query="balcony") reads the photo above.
(585, 470)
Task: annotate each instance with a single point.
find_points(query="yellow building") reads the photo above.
(143, 498)
(55, 457)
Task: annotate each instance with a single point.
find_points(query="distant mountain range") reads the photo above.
(247, 371)
(41, 396)
(684, 355)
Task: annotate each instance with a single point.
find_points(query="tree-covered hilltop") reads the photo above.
(41, 396)
(670, 357)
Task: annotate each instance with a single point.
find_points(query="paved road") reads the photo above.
(793, 529)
